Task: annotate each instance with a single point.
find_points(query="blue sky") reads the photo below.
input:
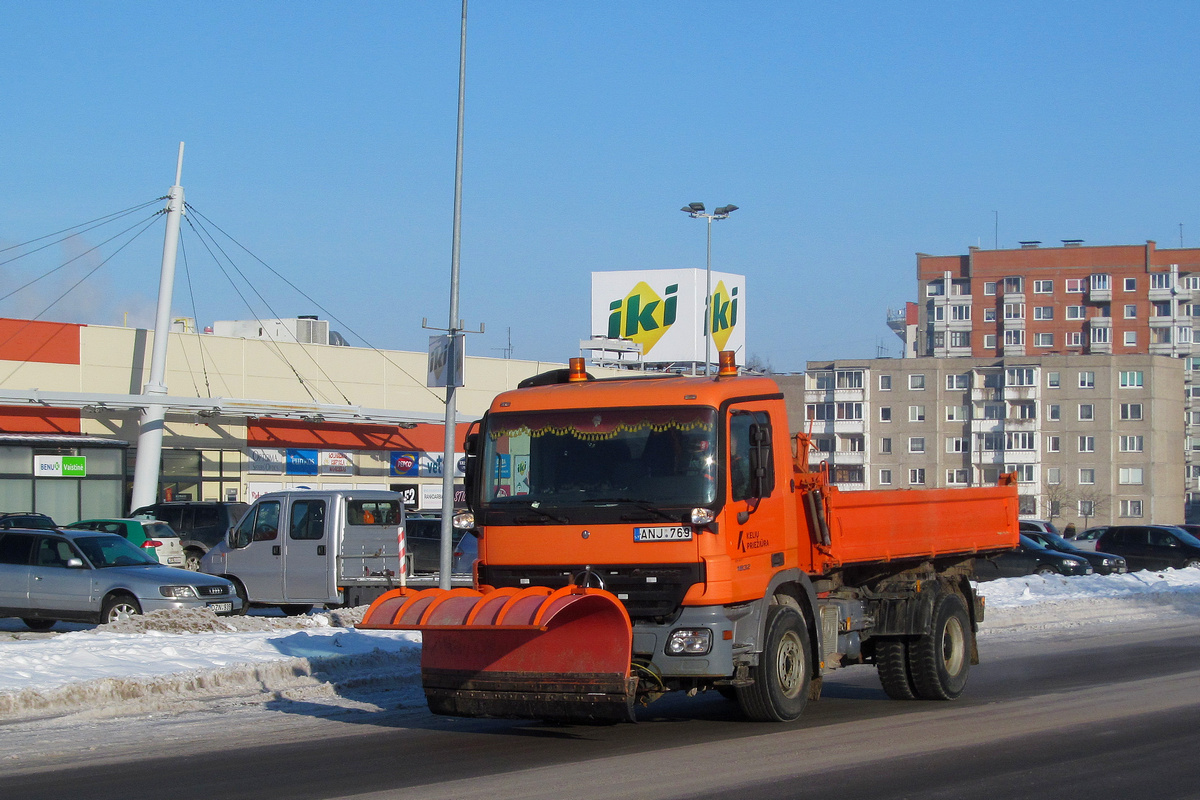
(851, 135)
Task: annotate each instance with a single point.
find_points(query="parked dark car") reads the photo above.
(1038, 526)
(200, 524)
(89, 576)
(1029, 558)
(27, 519)
(1102, 563)
(1151, 546)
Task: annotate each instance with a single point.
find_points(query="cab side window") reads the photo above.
(308, 520)
(260, 525)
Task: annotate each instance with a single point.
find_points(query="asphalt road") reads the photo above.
(1090, 714)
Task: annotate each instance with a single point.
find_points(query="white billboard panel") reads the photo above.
(663, 311)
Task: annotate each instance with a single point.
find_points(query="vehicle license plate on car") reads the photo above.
(219, 607)
(670, 533)
(175, 560)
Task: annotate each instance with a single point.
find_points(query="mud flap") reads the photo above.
(533, 653)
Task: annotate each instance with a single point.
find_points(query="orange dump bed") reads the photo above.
(878, 526)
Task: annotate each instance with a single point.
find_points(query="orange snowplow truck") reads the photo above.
(652, 534)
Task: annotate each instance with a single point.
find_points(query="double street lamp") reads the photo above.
(696, 211)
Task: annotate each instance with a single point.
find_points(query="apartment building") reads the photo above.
(1093, 438)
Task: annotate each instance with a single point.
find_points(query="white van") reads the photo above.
(297, 549)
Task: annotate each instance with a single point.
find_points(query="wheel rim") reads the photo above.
(953, 646)
(122, 610)
(789, 664)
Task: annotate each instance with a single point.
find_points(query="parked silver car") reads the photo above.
(87, 576)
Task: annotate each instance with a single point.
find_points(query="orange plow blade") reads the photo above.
(533, 653)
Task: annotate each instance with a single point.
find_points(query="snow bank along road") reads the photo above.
(175, 660)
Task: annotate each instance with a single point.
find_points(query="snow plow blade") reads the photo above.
(533, 653)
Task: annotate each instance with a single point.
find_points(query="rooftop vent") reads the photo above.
(1029, 245)
(1072, 242)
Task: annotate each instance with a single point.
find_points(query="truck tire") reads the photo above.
(780, 689)
(891, 662)
(939, 660)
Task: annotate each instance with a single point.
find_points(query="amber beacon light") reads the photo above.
(578, 373)
(728, 364)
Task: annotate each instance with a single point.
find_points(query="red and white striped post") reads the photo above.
(403, 543)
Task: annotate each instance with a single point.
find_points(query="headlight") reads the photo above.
(702, 516)
(464, 521)
(1106, 562)
(178, 591)
(693, 642)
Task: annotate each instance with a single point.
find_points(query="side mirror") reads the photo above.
(762, 469)
(74, 563)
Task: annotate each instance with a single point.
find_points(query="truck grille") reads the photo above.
(646, 590)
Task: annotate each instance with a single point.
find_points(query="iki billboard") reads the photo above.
(663, 310)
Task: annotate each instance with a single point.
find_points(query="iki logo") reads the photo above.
(724, 314)
(642, 315)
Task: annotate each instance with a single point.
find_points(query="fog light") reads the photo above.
(694, 642)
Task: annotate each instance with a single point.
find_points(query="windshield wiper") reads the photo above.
(533, 505)
(644, 505)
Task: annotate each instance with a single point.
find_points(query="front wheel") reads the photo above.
(1191, 562)
(38, 624)
(940, 659)
(119, 607)
(780, 689)
(1045, 569)
(191, 560)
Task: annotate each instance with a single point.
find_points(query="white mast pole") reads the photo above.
(150, 433)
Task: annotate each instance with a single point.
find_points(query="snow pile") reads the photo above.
(203, 620)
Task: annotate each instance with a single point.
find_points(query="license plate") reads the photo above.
(670, 533)
(220, 607)
(175, 560)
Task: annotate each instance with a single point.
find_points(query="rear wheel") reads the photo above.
(940, 659)
(118, 607)
(38, 624)
(891, 662)
(780, 689)
(1045, 569)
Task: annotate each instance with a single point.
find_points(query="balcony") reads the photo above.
(987, 457)
(1095, 295)
(849, 457)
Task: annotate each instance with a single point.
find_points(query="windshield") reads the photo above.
(552, 459)
(159, 530)
(112, 551)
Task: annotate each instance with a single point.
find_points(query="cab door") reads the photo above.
(755, 508)
(307, 559)
(255, 555)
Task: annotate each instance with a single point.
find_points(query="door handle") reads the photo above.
(320, 549)
(37, 577)
(275, 550)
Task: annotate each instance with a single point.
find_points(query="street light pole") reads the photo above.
(696, 211)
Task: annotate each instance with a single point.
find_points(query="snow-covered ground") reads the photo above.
(168, 660)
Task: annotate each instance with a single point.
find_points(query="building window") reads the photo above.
(885, 383)
(1087, 508)
(1053, 411)
(1024, 472)
(1072, 339)
(1087, 476)
(1052, 380)
(1018, 376)
(1101, 282)
(1131, 410)
(935, 289)
(849, 411)
(916, 444)
(916, 413)
(1014, 284)
(1131, 508)
(993, 411)
(1043, 340)
(1014, 338)
(1020, 440)
(1014, 311)
(1130, 311)
(958, 477)
(916, 477)
(1054, 476)
(1043, 287)
(1101, 335)
(1087, 444)
(824, 444)
(991, 442)
(1075, 312)
(850, 379)
(1160, 280)
(989, 341)
(1043, 312)
(1024, 410)
(1087, 412)
(957, 382)
(1076, 285)
(1160, 336)
(1160, 308)
(885, 477)
(1131, 284)
(989, 287)
(958, 414)
(989, 314)
(960, 338)
(1130, 476)
(1053, 444)
(1131, 338)
(916, 382)
(960, 312)
(957, 444)
(1130, 444)
(1191, 282)
(885, 413)
(1087, 380)
(822, 380)
(819, 411)
(885, 445)
(1131, 380)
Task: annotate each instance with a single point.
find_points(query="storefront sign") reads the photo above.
(60, 466)
(260, 459)
(301, 462)
(334, 462)
(403, 463)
